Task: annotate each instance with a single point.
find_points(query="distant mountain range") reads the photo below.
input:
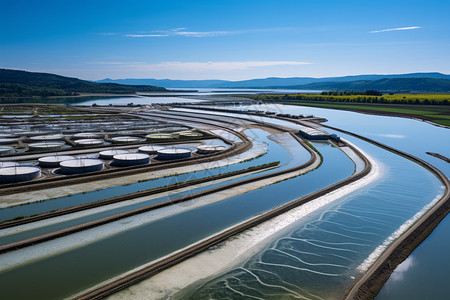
(386, 85)
(15, 83)
(358, 82)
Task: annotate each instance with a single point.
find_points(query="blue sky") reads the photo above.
(231, 40)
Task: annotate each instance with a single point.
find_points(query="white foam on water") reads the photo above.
(234, 250)
(370, 260)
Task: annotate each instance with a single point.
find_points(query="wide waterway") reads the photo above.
(275, 151)
(408, 135)
(417, 138)
(321, 255)
(53, 277)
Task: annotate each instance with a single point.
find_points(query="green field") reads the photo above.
(37, 109)
(412, 99)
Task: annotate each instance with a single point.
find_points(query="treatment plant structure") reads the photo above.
(262, 202)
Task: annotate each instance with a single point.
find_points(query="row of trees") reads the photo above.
(347, 93)
(352, 98)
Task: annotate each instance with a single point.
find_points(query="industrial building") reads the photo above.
(80, 165)
(45, 146)
(48, 137)
(208, 149)
(150, 149)
(7, 164)
(173, 153)
(130, 159)
(6, 149)
(314, 134)
(161, 136)
(18, 174)
(89, 142)
(53, 161)
(125, 139)
(88, 135)
(190, 134)
(109, 154)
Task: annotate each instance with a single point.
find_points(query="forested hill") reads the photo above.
(406, 85)
(14, 83)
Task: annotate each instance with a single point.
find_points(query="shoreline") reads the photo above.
(237, 248)
(371, 282)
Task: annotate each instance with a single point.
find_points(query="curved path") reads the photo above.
(369, 284)
(131, 278)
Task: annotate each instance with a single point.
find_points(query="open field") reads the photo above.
(37, 109)
(441, 99)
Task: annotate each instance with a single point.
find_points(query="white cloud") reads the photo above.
(203, 33)
(145, 35)
(396, 29)
(184, 32)
(181, 32)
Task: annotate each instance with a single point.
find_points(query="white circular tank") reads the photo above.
(8, 140)
(53, 160)
(173, 153)
(109, 154)
(80, 165)
(125, 139)
(48, 137)
(6, 149)
(88, 135)
(89, 142)
(18, 174)
(44, 146)
(160, 136)
(7, 164)
(31, 133)
(130, 159)
(207, 149)
(150, 149)
(190, 134)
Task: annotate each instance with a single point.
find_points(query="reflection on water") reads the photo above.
(423, 275)
(319, 256)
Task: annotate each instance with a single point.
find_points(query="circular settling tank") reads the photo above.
(88, 135)
(190, 134)
(160, 136)
(150, 149)
(53, 160)
(45, 146)
(89, 142)
(130, 159)
(173, 153)
(80, 165)
(109, 154)
(207, 149)
(8, 140)
(48, 137)
(6, 149)
(18, 174)
(7, 164)
(125, 139)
